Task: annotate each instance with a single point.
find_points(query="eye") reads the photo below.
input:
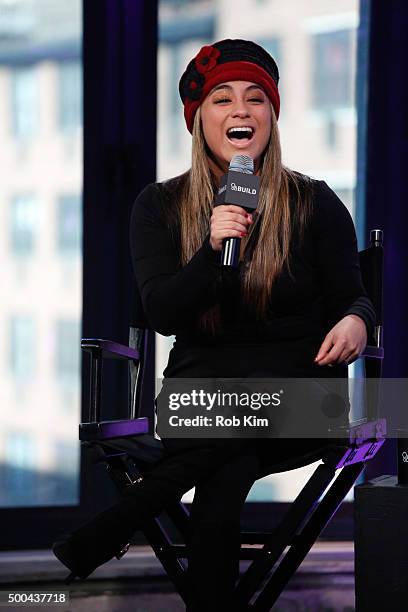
(256, 99)
(221, 100)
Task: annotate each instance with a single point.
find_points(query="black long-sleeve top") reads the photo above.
(325, 286)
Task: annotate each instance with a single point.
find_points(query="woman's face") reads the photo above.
(236, 104)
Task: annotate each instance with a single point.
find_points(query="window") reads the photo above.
(41, 87)
(23, 225)
(19, 449)
(25, 102)
(70, 95)
(68, 351)
(40, 84)
(69, 224)
(22, 346)
(66, 457)
(17, 471)
(332, 69)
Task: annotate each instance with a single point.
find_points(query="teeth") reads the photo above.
(239, 129)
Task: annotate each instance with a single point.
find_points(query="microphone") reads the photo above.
(238, 186)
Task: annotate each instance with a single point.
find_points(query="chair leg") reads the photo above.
(153, 529)
(305, 540)
(275, 545)
(173, 566)
(180, 516)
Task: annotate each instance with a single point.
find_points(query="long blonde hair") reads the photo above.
(269, 237)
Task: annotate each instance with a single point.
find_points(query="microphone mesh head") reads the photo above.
(242, 163)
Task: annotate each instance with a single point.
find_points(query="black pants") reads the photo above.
(223, 472)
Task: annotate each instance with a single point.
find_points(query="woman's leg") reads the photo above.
(214, 543)
(104, 536)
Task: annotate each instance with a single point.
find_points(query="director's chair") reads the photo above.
(129, 451)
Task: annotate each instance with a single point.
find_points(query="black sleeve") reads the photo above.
(338, 262)
(172, 296)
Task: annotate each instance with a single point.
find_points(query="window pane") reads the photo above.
(25, 101)
(68, 351)
(22, 347)
(69, 239)
(332, 69)
(24, 217)
(70, 95)
(40, 251)
(17, 470)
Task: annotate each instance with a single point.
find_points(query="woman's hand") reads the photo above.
(228, 221)
(344, 342)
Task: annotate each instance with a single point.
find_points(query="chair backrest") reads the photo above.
(372, 272)
(138, 341)
(139, 334)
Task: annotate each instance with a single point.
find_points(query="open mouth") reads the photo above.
(240, 135)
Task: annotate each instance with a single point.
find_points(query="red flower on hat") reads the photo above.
(206, 59)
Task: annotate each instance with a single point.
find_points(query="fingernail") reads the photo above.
(243, 233)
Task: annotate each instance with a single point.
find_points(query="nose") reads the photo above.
(240, 109)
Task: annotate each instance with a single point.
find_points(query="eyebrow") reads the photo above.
(229, 87)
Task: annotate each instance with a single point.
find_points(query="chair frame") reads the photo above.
(284, 548)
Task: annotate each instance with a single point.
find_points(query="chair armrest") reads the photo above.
(376, 352)
(108, 430)
(361, 431)
(109, 349)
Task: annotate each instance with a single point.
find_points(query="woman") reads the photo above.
(294, 307)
